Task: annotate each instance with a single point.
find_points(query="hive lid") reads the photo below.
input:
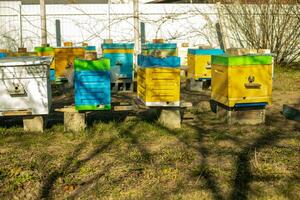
(117, 46)
(23, 61)
(159, 46)
(205, 51)
(228, 60)
(100, 64)
(43, 49)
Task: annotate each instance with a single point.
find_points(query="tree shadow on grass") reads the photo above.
(203, 170)
(69, 166)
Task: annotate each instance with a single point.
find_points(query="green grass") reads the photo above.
(138, 159)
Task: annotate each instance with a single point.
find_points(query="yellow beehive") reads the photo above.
(239, 81)
(199, 62)
(64, 58)
(159, 86)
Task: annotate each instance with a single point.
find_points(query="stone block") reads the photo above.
(74, 121)
(34, 123)
(170, 117)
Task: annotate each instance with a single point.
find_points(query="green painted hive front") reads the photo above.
(92, 84)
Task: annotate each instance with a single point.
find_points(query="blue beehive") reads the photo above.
(92, 84)
(121, 56)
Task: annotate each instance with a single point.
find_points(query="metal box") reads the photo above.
(159, 86)
(199, 63)
(25, 85)
(240, 81)
(160, 50)
(121, 57)
(64, 59)
(92, 84)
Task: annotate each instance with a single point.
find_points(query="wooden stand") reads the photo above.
(34, 123)
(244, 115)
(197, 85)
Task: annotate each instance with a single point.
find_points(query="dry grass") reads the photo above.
(140, 159)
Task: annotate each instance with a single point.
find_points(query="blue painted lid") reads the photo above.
(150, 61)
(205, 51)
(90, 48)
(117, 46)
(159, 46)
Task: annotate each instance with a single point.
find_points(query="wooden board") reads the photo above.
(17, 113)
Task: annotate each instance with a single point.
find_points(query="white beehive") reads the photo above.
(25, 85)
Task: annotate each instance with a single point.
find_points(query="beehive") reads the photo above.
(64, 59)
(199, 63)
(121, 58)
(25, 85)
(158, 85)
(240, 81)
(92, 84)
(47, 51)
(161, 50)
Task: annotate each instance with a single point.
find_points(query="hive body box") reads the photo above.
(159, 81)
(159, 86)
(64, 59)
(160, 49)
(199, 62)
(25, 85)
(47, 51)
(241, 81)
(121, 57)
(92, 84)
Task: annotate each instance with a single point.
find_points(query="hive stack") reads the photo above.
(158, 79)
(64, 60)
(121, 59)
(92, 84)
(242, 82)
(49, 52)
(3, 53)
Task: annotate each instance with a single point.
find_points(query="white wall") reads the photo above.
(193, 23)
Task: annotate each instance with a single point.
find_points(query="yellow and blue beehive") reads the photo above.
(199, 63)
(64, 59)
(121, 56)
(241, 81)
(158, 81)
